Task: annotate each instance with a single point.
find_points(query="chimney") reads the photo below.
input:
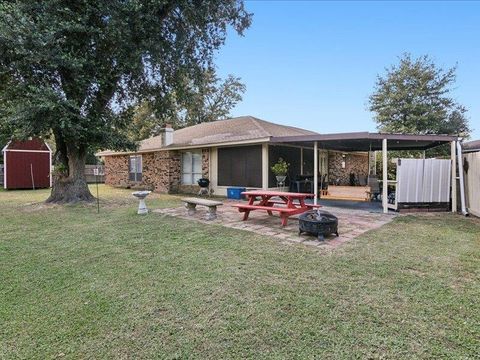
(167, 135)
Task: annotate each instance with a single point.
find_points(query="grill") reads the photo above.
(318, 222)
(203, 183)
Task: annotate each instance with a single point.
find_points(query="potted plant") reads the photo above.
(280, 169)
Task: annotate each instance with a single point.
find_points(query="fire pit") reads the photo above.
(318, 222)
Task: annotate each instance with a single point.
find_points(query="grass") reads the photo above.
(77, 284)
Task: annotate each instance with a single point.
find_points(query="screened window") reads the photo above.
(240, 166)
(191, 167)
(135, 168)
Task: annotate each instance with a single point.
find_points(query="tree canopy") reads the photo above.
(414, 97)
(77, 69)
(210, 100)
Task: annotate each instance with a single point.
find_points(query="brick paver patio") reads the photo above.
(351, 223)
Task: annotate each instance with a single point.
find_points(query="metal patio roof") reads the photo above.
(365, 141)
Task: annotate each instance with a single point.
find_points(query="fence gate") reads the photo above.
(423, 181)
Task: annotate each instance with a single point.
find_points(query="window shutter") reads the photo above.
(131, 175)
(139, 169)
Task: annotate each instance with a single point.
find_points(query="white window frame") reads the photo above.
(191, 168)
(138, 168)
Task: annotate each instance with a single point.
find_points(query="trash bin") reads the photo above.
(235, 193)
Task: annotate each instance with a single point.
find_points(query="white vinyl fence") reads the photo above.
(423, 181)
(472, 181)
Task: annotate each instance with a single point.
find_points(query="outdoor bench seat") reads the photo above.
(296, 203)
(267, 208)
(283, 211)
(353, 193)
(191, 204)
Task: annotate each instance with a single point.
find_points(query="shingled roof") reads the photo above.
(239, 129)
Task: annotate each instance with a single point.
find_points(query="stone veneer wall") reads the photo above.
(116, 170)
(354, 163)
(166, 171)
(161, 172)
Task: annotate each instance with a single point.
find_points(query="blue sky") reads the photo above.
(314, 64)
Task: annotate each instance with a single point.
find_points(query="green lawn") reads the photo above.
(77, 284)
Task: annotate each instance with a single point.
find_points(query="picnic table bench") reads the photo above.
(191, 205)
(291, 203)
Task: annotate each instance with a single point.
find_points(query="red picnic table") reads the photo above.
(285, 203)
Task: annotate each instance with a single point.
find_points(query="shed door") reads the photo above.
(27, 170)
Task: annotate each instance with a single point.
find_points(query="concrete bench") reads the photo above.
(191, 205)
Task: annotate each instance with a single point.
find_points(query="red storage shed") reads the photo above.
(27, 164)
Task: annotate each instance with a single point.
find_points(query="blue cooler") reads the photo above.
(235, 193)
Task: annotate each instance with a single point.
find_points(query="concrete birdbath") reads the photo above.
(142, 207)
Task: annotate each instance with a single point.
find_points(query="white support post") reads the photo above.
(369, 167)
(385, 176)
(454, 176)
(213, 169)
(315, 172)
(264, 166)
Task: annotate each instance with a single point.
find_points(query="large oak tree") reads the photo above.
(75, 70)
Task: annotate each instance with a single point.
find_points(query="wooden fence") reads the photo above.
(90, 173)
(472, 182)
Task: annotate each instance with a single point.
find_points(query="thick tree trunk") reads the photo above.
(60, 157)
(71, 187)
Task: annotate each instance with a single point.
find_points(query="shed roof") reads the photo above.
(33, 144)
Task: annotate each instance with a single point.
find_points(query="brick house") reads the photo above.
(233, 152)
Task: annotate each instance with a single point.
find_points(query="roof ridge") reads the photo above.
(208, 122)
(256, 122)
(282, 125)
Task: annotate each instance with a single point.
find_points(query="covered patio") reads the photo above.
(366, 142)
(308, 155)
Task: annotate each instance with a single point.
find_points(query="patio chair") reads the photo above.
(362, 180)
(324, 182)
(301, 183)
(374, 187)
(352, 179)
